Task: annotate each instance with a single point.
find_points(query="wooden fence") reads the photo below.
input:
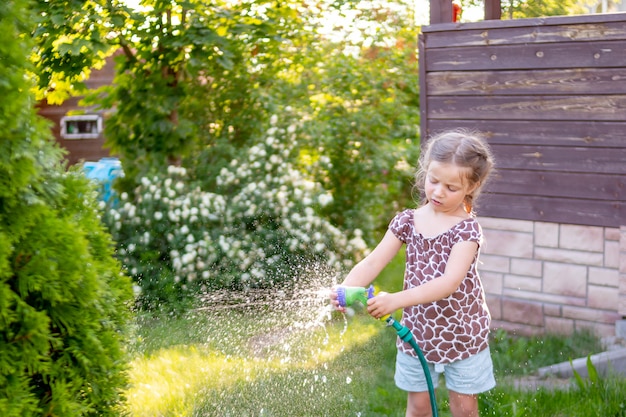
(550, 94)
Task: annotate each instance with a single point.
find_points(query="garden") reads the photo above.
(265, 146)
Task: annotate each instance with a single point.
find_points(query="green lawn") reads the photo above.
(298, 358)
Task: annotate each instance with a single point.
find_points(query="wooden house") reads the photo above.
(79, 129)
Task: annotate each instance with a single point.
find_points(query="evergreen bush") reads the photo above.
(63, 299)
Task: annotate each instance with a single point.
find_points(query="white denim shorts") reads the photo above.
(467, 376)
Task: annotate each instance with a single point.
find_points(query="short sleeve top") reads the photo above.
(455, 327)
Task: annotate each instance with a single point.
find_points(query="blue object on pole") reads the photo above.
(104, 172)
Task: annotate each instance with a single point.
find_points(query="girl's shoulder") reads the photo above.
(402, 224)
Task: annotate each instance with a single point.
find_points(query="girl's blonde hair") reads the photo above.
(463, 148)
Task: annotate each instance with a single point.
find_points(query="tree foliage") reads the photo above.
(188, 73)
(63, 300)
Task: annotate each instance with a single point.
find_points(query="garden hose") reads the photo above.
(346, 296)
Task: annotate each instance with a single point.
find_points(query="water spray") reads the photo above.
(346, 296)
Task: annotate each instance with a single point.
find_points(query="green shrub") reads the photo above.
(259, 228)
(62, 296)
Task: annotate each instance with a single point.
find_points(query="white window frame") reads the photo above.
(96, 118)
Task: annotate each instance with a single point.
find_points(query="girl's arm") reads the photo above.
(363, 273)
(459, 262)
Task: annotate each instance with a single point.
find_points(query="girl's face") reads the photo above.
(446, 186)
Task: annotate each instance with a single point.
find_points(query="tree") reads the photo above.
(188, 75)
(363, 104)
(63, 299)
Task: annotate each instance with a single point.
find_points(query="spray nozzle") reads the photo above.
(346, 296)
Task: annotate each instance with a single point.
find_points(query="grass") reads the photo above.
(275, 360)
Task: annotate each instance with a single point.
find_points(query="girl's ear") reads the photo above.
(472, 188)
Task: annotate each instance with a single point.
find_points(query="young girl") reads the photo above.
(442, 298)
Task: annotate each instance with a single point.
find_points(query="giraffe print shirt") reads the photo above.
(457, 326)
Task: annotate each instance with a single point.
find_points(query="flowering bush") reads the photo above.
(258, 228)
(163, 234)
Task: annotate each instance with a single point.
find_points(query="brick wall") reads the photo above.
(549, 277)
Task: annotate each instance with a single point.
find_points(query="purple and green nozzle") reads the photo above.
(346, 296)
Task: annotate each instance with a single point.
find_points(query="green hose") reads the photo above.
(346, 296)
(405, 334)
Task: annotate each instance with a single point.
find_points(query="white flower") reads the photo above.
(325, 199)
(224, 245)
(158, 215)
(136, 290)
(274, 159)
(177, 264)
(273, 119)
(124, 196)
(188, 258)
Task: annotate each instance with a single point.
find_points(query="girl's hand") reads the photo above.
(334, 302)
(381, 305)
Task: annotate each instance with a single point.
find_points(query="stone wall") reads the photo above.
(549, 277)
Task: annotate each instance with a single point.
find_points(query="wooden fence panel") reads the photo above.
(550, 95)
(597, 54)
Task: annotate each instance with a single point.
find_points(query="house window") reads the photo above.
(88, 126)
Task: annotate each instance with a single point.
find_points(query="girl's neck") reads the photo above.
(431, 222)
